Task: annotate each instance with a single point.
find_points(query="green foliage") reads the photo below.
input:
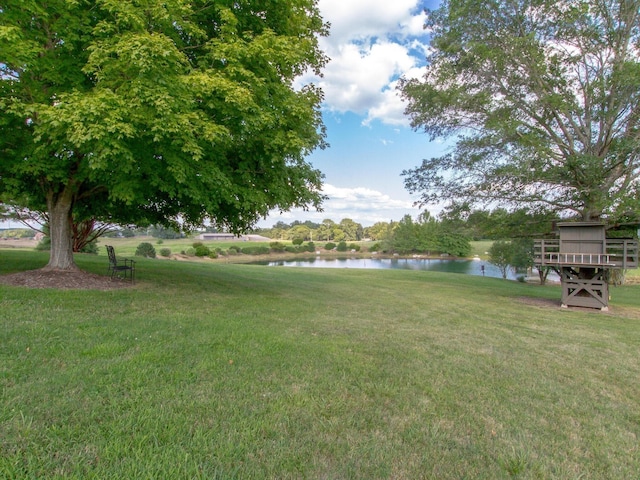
(152, 112)
(145, 249)
(277, 247)
(405, 237)
(342, 246)
(256, 250)
(190, 252)
(90, 247)
(501, 254)
(522, 253)
(426, 236)
(328, 230)
(17, 233)
(329, 246)
(162, 232)
(354, 247)
(520, 86)
(517, 253)
(44, 245)
(165, 252)
(201, 250)
(454, 244)
(497, 223)
(297, 241)
(125, 232)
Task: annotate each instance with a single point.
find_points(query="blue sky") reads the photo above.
(372, 44)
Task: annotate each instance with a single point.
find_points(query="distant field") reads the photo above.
(223, 371)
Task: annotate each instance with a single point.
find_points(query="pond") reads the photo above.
(470, 267)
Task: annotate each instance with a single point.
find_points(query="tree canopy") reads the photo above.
(158, 111)
(542, 97)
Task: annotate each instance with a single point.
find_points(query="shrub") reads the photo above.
(311, 247)
(342, 247)
(213, 254)
(291, 249)
(330, 246)
(91, 247)
(145, 249)
(201, 250)
(165, 252)
(277, 246)
(355, 247)
(376, 247)
(255, 250)
(190, 252)
(233, 251)
(297, 241)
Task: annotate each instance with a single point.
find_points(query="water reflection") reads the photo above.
(469, 267)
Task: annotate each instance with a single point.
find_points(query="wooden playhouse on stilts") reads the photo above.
(584, 258)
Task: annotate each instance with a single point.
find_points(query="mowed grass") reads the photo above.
(224, 371)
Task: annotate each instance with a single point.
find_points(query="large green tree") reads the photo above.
(542, 98)
(157, 110)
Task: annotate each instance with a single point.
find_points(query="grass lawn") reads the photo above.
(221, 371)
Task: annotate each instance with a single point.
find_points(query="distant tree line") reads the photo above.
(449, 233)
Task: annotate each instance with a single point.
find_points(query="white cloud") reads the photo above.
(358, 19)
(372, 43)
(362, 205)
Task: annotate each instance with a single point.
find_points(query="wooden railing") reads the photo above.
(619, 253)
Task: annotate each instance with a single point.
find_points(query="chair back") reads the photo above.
(112, 255)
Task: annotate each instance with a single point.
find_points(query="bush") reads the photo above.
(311, 247)
(213, 255)
(297, 241)
(330, 246)
(255, 250)
(355, 247)
(376, 247)
(165, 252)
(342, 247)
(190, 252)
(291, 249)
(233, 251)
(277, 247)
(91, 247)
(201, 250)
(145, 249)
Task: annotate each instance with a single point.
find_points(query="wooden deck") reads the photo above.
(619, 253)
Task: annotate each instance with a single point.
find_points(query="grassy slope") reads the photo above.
(238, 371)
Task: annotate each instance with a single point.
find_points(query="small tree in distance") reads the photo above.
(501, 254)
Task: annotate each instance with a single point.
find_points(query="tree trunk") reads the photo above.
(59, 206)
